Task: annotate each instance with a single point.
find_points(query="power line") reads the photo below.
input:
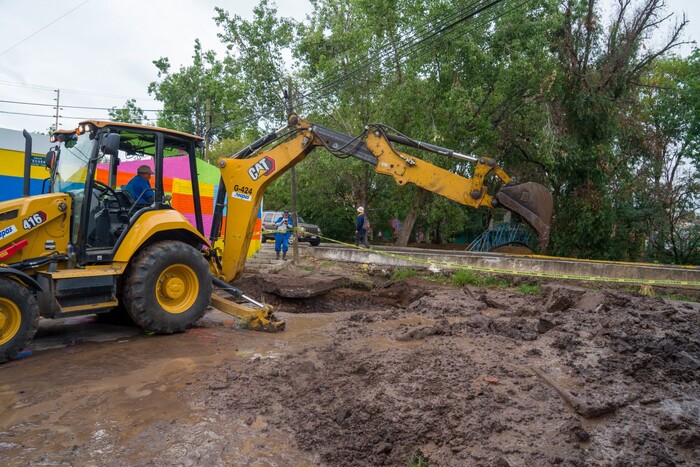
(61, 116)
(417, 40)
(74, 91)
(411, 38)
(428, 34)
(72, 106)
(37, 32)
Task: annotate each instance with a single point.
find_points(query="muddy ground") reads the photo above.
(377, 372)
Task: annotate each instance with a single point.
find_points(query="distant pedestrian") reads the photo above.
(361, 228)
(283, 226)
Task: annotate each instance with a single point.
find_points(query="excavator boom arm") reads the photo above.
(247, 174)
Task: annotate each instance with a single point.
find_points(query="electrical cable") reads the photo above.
(446, 24)
(37, 32)
(446, 21)
(416, 42)
(72, 106)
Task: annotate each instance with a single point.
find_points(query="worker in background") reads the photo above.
(139, 187)
(283, 226)
(361, 228)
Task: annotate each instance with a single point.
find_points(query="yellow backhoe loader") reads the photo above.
(90, 246)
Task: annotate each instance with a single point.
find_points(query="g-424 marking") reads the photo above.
(243, 189)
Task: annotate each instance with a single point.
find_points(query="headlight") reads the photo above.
(302, 228)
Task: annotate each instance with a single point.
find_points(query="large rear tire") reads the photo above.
(19, 318)
(168, 288)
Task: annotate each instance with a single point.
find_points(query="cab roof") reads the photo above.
(106, 123)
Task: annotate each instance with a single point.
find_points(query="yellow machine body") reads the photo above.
(42, 221)
(90, 246)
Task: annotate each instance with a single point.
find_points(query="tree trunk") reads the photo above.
(410, 221)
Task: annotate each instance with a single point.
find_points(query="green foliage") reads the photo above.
(668, 125)
(465, 277)
(255, 57)
(551, 91)
(130, 113)
(417, 460)
(529, 289)
(401, 274)
(592, 100)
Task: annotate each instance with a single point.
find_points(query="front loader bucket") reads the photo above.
(533, 203)
(256, 319)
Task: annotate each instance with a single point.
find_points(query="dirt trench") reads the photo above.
(476, 376)
(379, 372)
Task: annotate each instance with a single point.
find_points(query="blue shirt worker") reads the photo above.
(283, 225)
(361, 228)
(139, 187)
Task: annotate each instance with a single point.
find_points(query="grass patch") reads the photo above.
(328, 264)
(464, 277)
(417, 460)
(529, 289)
(401, 274)
(306, 267)
(679, 297)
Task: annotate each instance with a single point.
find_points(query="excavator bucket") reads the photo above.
(533, 203)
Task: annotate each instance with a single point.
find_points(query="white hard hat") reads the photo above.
(360, 209)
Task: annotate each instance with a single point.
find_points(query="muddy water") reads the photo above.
(132, 399)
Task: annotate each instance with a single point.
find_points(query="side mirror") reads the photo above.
(50, 158)
(111, 144)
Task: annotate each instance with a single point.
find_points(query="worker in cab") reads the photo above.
(139, 187)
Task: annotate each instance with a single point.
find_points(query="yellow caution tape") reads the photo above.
(548, 275)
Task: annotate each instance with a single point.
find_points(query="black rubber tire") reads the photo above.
(26, 311)
(143, 297)
(315, 242)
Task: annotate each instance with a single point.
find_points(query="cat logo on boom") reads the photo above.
(264, 166)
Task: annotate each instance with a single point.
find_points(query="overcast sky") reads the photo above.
(99, 53)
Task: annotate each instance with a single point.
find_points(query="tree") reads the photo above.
(596, 87)
(399, 63)
(130, 113)
(255, 57)
(201, 99)
(668, 122)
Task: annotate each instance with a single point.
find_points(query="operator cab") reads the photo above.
(95, 164)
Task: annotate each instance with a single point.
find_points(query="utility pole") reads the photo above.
(293, 183)
(58, 97)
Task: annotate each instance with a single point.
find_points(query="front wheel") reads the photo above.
(168, 288)
(316, 242)
(19, 318)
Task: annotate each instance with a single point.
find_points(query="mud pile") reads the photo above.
(475, 376)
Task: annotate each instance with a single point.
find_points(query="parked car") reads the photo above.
(305, 233)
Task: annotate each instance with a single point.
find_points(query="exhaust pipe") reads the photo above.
(27, 161)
